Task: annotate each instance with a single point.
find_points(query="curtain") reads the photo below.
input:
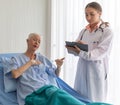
(67, 19)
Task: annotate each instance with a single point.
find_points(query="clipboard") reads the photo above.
(83, 47)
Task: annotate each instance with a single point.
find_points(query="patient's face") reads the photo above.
(34, 42)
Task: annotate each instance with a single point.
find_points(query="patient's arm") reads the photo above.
(59, 63)
(57, 72)
(18, 72)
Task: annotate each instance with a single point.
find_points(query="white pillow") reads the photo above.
(9, 82)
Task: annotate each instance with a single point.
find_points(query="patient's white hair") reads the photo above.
(32, 34)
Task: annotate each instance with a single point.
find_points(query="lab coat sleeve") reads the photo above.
(103, 48)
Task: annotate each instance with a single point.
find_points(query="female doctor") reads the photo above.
(92, 67)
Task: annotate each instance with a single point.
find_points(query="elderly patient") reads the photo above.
(34, 71)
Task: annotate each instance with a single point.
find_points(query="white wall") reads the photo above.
(18, 18)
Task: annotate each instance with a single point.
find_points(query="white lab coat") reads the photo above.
(92, 67)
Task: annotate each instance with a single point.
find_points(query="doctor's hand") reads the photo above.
(75, 49)
(81, 42)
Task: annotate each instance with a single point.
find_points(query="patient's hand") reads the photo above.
(35, 62)
(59, 62)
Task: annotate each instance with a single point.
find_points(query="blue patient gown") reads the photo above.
(33, 78)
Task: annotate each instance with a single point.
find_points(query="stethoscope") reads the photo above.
(101, 27)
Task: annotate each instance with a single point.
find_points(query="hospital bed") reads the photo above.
(9, 98)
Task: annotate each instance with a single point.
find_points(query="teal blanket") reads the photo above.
(51, 95)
